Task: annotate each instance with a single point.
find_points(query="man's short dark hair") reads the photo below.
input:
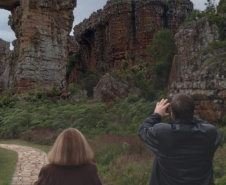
(182, 106)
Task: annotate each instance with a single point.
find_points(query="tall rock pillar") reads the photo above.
(42, 30)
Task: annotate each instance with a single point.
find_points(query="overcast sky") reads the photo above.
(83, 10)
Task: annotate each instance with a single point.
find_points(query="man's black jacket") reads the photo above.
(183, 150)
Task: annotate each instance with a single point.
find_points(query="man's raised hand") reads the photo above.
(161, 108)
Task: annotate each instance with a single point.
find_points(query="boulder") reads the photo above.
(108, 88)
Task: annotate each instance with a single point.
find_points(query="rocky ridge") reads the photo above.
(199, 69)
(125, 26)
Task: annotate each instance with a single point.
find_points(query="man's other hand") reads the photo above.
(161, 108)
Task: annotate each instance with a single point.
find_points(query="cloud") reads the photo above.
(84, 9)
(8, 36)
(200, 4)
(6, 33)
(4, 18)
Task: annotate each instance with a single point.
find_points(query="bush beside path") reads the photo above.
(30, 161)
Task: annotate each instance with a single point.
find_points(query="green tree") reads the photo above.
(195, 15)
(89, 81)
(124, 65)
(216, 18)
(221, 8)
(210, 6)
(72, 60)
(162, 51)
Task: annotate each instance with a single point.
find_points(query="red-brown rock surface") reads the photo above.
(200, 74)
(9, 4)
(125, 26)
(4, 53)
(42, 29)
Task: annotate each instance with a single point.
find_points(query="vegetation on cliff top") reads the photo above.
(214, 14)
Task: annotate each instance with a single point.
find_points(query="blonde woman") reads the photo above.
(69, 162)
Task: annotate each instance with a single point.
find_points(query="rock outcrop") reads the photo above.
(9, 4)
(4, 51)
(40, 53)
(4, 54)
(125, 26)
(199, 69)
(108, 88)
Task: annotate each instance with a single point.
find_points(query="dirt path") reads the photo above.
(30, 161)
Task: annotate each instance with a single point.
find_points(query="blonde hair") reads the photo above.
(70, 148)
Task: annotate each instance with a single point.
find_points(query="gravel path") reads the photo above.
(30, 161)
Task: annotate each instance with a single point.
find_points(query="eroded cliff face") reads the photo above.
(9, 4)
(125, 26)
(199, 69)
(4, 51)
(4, 54)
(42, 30)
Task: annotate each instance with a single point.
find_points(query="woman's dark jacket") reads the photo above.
(68, 175)
(183, 150)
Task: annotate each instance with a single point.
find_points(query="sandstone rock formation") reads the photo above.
(4, 54)
(200, 70)
(9, 4)
(108, 88)
(125, 26)
(42, 30)
(4, 51)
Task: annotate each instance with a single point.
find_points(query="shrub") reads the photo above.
(74, 88)
(124, 65)
(162, 51)
(131, 114)
(221, 181)
(55, 91)
(219, 20)
(210, 7)
(89, 81)
(195, 15)
(224, 120)
(40, 136)
(222, 9)
(38, 94)
(132, 99)
(5, 101)
(215, 18)
(219, 162)
(73, 59)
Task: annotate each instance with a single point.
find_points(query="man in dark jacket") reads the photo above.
(184, 148)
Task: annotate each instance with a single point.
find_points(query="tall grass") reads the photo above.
(122, 160)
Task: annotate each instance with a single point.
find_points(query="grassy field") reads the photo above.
(111, 129)
(121, 160)
(8, 162)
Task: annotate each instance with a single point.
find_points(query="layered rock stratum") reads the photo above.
(199, 69)
(40, 53)
(126, 27)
